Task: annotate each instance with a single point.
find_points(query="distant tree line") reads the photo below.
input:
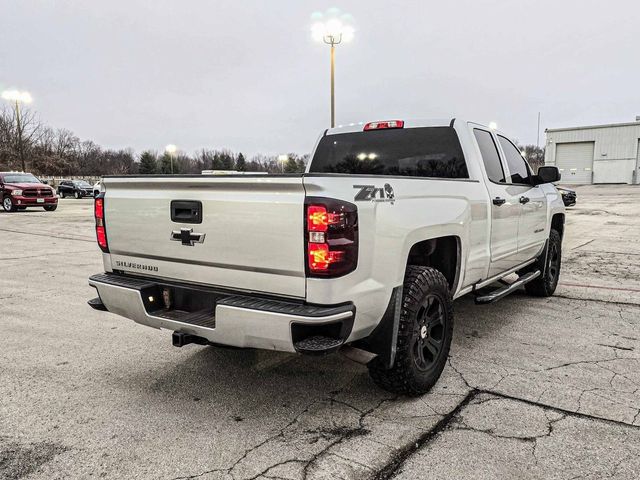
(27, 144)
(534, 155)
(151, 162)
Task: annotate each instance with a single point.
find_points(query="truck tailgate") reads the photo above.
(252, 226)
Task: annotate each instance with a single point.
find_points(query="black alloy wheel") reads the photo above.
(428, 333)
(549, 264)
(425, 331)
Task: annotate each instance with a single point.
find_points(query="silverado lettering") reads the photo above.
(136, 266)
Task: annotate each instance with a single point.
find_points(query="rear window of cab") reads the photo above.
(433, 152)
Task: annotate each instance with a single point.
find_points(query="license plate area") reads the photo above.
(183, 305)
(39, 200)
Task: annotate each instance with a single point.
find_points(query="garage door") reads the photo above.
(575, 161)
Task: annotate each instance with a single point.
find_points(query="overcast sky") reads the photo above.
(246, 74)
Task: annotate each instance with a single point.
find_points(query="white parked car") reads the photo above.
(364, 252)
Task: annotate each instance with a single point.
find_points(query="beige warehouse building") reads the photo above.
(596, 153)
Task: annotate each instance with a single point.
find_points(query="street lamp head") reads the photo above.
(283, 158)
(171, 149)
(17, 96)
(332, 27)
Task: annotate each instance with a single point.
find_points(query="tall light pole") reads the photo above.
(333, 32)
(17, 97)
(171, 151)
(282, 159)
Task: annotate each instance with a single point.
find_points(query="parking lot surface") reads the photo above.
(535, 388)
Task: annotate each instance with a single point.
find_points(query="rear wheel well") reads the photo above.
(442, 253)
(557, 223)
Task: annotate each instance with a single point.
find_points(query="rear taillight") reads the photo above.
(386, 125)
(331, 237)
(101, 232)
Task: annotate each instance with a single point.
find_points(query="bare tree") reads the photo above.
(88, 158)
(65, 143)
(7, 133)
(535, 156)
(48, 151)
(27, 129)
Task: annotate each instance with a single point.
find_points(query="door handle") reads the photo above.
(499, 201)
(524, 199)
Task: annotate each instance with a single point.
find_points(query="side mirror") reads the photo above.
(549, 174)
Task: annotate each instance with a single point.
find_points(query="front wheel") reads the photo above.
(50, 208)
(62, 194)
(8, 205)
(77, 195)
(424, 334)
(546, 284)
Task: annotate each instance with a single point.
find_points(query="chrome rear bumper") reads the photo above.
(232, 319)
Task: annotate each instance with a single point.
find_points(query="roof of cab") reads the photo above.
(408, 123)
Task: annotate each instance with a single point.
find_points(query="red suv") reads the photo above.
(21, 190)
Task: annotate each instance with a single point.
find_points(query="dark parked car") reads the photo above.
(21, 190)
(75, 188)
(568, 196)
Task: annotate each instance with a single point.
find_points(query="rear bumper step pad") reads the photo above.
(318, 345)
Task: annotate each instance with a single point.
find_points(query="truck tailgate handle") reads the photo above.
(186, 211)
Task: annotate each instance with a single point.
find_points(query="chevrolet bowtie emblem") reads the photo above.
(187, 237)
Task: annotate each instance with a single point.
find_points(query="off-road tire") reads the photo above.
(50, 208)
(77, 195)
(546, 283)
(8, 204)
(423, 286)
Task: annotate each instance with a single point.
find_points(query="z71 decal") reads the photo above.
(371, 193)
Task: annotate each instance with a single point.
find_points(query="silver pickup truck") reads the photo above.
(364, 252)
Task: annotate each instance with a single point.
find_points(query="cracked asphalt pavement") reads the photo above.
(534, 388)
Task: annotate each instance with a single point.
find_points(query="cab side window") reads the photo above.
(490, 156)
(518, 167)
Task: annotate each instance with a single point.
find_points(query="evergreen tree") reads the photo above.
(148, 163)
(241, 163)
(290, 165)
(165, 164)
(227, 160)
(294, 164)
(216, 162)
